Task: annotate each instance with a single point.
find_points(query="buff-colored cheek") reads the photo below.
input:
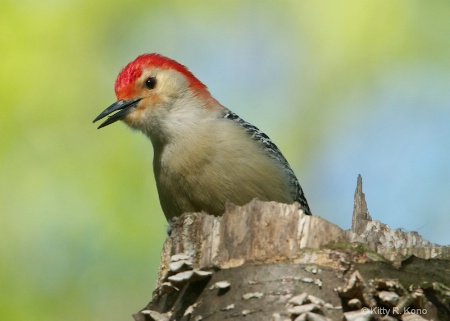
(146, 105)
(133, 117)
(151, 101)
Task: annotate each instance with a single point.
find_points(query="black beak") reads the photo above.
(124, 107)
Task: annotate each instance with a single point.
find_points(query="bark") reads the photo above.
(269, 261)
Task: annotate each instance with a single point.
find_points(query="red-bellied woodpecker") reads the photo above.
(204, 154)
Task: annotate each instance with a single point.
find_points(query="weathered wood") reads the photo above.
(269, 261)
(360, 211)
(394, 245)
(257, 232)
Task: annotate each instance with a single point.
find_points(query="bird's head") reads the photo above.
(147, 90)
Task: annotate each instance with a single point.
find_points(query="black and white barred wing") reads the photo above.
(272, 151)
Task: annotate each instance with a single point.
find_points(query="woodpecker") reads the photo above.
(204, 154)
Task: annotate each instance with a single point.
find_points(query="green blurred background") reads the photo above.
(343, 87)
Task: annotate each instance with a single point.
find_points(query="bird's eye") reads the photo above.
(150, 83)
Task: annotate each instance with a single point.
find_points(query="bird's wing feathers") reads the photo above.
(272, 151)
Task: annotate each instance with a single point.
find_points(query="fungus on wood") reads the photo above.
(269, 261)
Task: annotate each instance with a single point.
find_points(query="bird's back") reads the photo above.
(272, 151)
(228, 160)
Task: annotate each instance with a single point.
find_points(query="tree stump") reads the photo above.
(269, 261)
